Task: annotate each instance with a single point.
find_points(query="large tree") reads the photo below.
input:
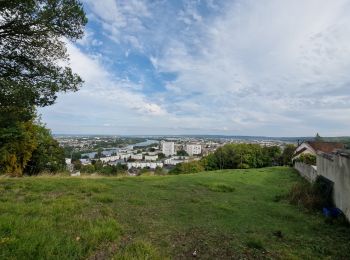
(33, 69)
(33, 51)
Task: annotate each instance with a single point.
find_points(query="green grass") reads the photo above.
(222, 214)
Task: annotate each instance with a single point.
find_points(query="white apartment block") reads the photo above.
(193, 149)
(168, 148)
(109, 159)
(151, 157)
(142, 165)
(176, 159)
(124, 156)
(138, 156)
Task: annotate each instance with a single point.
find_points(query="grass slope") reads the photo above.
(223, 214)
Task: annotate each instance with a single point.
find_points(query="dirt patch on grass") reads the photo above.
(204, 245)
(200, 243)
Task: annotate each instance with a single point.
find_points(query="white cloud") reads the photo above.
(102, 98)
(264, 60)
(121, 20)
(255, 68)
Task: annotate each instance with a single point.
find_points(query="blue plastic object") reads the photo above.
(331, 212)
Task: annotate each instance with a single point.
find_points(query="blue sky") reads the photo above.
(243, 67)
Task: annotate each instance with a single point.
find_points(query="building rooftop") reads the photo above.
(326, 147)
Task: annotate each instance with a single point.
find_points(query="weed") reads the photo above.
(254, 243)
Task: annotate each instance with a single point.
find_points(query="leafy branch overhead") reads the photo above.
(32, 47)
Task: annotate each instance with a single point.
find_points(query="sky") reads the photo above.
(230, 67)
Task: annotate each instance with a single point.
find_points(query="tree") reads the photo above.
(33, 69)
(48, 155)
(272, 155)
(182, 153)
(77, 165)
(161, 156)
(287, 154)
(17, 143)
(32, 46)
(232, 156)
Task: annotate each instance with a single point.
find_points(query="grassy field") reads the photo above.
(224, 214)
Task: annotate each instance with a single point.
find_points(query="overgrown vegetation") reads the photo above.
(307, 158)
(312, 196)
(228, 214)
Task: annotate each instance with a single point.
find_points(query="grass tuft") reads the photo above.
(219, 187)
(138, 250)
(255, 244)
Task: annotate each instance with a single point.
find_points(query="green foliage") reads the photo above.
(159, 171)
(32, 45)
(27, 147)
(108, 170)
(312, 196)
(48, 155)
(272, 155)
(187, 167)
(307, 158)
(161, 156)
(17, 143)
(242, 156)
(181, 153)
(77, 165)
(287, 154)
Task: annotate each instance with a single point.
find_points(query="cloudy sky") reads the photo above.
(235, 67)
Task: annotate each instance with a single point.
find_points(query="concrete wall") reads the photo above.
(336, 167)
(309, 172)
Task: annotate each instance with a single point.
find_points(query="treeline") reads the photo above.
(238, 156)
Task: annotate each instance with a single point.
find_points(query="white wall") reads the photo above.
(337, 169)
(309, 172)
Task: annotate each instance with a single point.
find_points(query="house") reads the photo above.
(313, 147)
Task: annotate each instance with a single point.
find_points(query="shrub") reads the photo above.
(307, 159)
(312, 196)
(187, 167)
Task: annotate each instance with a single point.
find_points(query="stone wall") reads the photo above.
(336, 167)
(307, 171)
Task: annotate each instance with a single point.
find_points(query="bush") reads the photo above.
(312, 196)
(307, 159)
(187, 167)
